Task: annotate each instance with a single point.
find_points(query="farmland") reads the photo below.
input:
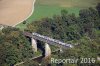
(45, 8)
(13, 12)
(80, 31)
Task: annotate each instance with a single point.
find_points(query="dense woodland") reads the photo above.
(83, 30)
(14, 47)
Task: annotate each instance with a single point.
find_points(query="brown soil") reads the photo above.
(14, 11)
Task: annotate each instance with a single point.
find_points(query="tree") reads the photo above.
(98, 8)
(14, 47)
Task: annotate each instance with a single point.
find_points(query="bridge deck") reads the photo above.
(47, 39)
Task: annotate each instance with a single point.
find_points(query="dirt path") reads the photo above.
(12, 12)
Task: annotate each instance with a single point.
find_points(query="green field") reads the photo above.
(48, 8)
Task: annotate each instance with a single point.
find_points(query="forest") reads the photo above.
(14, 47)
(83, 30)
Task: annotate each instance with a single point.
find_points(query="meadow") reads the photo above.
(48, 8)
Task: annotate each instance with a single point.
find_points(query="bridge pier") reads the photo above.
(47, 57)
(34, 45)
(47, 50)
(61, 50)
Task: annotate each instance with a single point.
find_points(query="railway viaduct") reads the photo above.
(47, 40)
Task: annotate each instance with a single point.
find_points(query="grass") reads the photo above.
(45, 8)
(46, 11)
